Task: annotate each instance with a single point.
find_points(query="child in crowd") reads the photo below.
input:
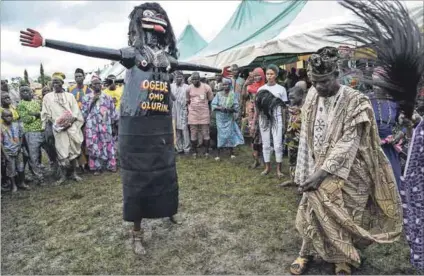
(11, 149)
(296, 97)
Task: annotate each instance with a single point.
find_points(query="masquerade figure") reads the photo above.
(226, 104)
(340, 158)
(398, 44)
(258, 80)
(270, 106)
(148, 170)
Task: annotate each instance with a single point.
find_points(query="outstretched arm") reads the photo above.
(32, 38)
(181, 65)
(126, 56)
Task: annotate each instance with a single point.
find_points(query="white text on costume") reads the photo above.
(156, 96)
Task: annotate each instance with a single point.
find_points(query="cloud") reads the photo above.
(95, 23)
(79, 14)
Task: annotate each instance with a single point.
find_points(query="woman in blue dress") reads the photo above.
(226, 106)
(386, 114)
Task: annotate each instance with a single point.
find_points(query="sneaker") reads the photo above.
(206, 155)
(194, 155)
(232, 156)
(217, 158)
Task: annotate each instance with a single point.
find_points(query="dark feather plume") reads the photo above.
(388, 29)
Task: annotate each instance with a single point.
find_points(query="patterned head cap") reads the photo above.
(323, 62)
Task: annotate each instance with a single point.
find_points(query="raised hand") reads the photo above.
(31, 38)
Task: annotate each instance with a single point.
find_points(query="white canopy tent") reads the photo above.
(116, 69)
(305, 34)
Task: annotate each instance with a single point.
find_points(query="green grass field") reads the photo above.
(234, 222)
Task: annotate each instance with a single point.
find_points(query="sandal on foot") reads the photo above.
(265, 172)
(298, 267)
(342, 269)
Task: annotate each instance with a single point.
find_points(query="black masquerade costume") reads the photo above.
(148, 169)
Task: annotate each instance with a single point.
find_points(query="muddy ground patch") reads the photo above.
(234, 222)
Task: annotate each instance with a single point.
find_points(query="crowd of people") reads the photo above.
(76, 129)
(348, 133)
(227, 111)
(224, 111)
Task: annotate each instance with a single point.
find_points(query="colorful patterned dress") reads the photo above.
(412, 194)
(229, 134)
(292, 137)
(99, 118)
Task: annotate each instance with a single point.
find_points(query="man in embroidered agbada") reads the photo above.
(61, 109)
(349, 191)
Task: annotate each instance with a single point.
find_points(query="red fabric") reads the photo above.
(253, 88)
(226, 73)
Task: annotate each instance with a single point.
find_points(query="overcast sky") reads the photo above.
(97, 23)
